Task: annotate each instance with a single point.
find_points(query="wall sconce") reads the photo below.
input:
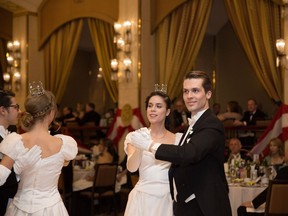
(121, 66)
(281, 59)
(114, 67)
(12, 76)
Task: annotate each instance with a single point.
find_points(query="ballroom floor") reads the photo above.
(81, 207)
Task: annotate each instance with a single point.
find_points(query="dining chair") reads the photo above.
(103, 186)
(276, 200)
(65, 185)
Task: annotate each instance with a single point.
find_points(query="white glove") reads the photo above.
(141, 139)
(4, 173)
(27, 159)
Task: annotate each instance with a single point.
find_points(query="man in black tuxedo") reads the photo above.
(261, 198)
(178, 120)
(250, 118)
(90, 115)
(197, 180)
(8, 116)
(252, 115)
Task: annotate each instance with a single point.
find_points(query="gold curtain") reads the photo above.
(102, 34)
(178, 40)
(257, 24)
(59, 54)
(3, 63)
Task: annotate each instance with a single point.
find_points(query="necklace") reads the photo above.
(160, 136)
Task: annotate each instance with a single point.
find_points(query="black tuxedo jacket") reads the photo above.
(258, 115)
(197, 166)
(261, 198)
(7, 190)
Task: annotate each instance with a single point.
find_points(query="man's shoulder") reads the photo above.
(208, 117)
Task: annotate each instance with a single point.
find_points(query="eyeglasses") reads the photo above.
(16, 106)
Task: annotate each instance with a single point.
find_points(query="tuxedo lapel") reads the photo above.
(183, 136)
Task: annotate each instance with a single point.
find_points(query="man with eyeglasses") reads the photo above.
(9, 111)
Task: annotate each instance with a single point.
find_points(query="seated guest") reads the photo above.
(67, 115)
(276, 155)
(252, 114)
(250, 117)
(261, 198)
(178, 119)
(90, 115)
(216, 108)
(233, 112)
(80, 111)
(105, 152)
(235, 147)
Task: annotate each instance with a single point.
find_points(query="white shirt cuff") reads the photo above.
(154, 147)
(4, 173)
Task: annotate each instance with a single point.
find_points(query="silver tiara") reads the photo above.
(36, 88)
(162, 88)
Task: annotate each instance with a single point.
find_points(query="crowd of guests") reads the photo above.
(272, 166)
(85, 114)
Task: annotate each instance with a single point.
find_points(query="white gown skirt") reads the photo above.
(58, 209)
(143, 204)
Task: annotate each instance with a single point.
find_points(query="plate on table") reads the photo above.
(250, 184)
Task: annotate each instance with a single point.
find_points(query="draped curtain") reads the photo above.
(178, 40)
(102, 34)
(257, 25)
(3, 63)
(59, 54)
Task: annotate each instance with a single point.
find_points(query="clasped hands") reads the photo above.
(141, 139)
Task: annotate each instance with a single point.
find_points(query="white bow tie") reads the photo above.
(6, 132)
(191, 121)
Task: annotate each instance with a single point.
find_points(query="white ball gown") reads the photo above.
(151, 195)
(38, 193)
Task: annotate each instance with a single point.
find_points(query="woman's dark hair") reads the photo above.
(234, 107)
(161, 94)
(111, 148)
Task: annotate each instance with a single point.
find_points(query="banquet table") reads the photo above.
(239, 194)
(83, 179)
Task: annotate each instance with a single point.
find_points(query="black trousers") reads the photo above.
(241, 211)
(7, 190)
(187, 209)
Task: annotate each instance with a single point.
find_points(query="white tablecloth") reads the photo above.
(82, 179)
(239, 194)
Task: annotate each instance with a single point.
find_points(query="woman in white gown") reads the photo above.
(37, 193)
(151, 195)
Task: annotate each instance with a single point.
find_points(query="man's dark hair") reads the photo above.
(207, 84)
(91, 105)
(5, 97)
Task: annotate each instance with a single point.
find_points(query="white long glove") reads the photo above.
(27, 159)
(4, 173)
(141, 139)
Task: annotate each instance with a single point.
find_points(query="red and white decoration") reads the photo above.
(277, 128)
(118, 129)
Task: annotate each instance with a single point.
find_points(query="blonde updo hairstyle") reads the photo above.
(37, 107)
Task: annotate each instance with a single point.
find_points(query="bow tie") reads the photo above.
(191, 121)
(6, 133)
